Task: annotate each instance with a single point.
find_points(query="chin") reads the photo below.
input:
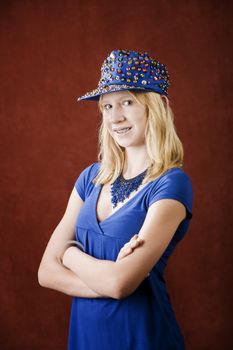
(125, 144)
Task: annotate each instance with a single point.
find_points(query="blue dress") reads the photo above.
(144, 320)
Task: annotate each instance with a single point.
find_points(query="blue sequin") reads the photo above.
(111, 78)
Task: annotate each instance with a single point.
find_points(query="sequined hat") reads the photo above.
(130, 70)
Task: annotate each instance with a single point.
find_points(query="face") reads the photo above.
(124, 118)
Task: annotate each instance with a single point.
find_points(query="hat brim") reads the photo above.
(94, 95)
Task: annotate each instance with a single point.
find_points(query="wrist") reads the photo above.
(74, 243)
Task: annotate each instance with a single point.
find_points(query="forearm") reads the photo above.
(59, 278)
(99, 275)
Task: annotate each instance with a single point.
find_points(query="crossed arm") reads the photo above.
(82, 275)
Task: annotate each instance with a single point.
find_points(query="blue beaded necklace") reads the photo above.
(121, 188)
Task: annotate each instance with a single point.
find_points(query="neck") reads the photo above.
(136, 161)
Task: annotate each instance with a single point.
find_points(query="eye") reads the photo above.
(107, 107)
(127, 102)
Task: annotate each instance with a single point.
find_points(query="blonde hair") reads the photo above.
(163, 146)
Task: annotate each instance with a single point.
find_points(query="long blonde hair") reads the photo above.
(163, 145)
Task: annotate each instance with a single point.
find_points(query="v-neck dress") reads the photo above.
(144, 320)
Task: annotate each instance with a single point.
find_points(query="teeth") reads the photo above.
(124, 129)
(121, 131)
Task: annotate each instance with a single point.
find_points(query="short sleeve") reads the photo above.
(84, 180)
(175, 184)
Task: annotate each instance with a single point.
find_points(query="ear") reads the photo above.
(165, 100)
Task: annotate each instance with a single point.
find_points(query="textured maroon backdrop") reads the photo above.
(51, 52)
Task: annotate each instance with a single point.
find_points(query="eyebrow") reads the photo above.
(119, 98)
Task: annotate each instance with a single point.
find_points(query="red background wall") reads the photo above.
(51, 52)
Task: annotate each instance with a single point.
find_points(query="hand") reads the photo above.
(66, 255)
(129, 247)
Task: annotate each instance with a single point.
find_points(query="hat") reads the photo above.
(130, 70)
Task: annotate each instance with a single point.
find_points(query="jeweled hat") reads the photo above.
(130, 70)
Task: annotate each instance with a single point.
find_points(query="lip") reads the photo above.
(122, 127)
(122, 134)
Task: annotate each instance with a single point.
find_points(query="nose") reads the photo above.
(117, 114)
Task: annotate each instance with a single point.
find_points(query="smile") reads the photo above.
(123, 130)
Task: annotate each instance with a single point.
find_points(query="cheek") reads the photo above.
(105, 121)
(141, 123)
(107, 126)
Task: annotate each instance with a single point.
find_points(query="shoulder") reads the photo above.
(176, 176)
(84, 183)
(90, 171)
(173, 176)
(176, 184)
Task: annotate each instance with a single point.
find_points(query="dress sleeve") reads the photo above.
(83, 181)
(177, 185)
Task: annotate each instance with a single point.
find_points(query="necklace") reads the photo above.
(121, 188)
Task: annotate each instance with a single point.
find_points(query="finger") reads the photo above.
(125, 246)
(129, 247)
(134, 237)
(123, 253)
(127, 250)
(136, 243)
(129, 244)
(132, 245)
